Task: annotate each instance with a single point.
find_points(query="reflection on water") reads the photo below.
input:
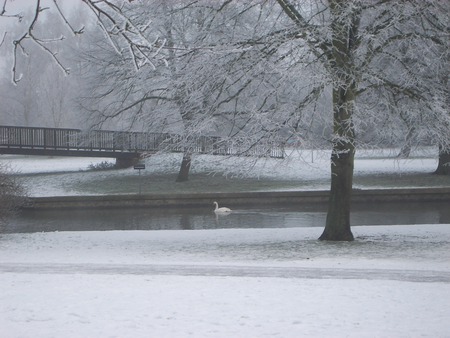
(204, 218)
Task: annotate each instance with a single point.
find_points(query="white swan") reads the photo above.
(222, 210)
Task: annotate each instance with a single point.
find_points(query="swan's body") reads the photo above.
(222, 210)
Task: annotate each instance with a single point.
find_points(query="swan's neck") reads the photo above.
(217, 205)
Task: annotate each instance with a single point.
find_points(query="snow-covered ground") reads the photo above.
(309, 164)
(392, 281)
(301, 170)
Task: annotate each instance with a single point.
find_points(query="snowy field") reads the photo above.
(392, 281)
(301, 170)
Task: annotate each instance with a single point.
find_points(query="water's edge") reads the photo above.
(235, 199)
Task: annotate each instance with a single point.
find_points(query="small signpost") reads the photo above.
(139, 166)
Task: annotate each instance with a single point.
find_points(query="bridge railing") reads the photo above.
(76, 139)
(131, 142)
(119, 141)
(29, 137)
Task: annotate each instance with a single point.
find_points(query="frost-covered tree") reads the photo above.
(411, 101)
(175, 98)
(147, 98)
(360, 46)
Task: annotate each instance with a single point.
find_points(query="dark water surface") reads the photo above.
(204, 218)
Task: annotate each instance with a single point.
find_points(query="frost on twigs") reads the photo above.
(29, 33)
(115, 19)
(127, 34)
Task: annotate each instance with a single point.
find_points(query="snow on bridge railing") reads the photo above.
(59, 139)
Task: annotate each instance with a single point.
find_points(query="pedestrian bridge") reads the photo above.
(126, 147)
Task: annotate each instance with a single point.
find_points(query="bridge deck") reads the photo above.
(116, 144)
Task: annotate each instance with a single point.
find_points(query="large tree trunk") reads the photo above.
(183, 174)
(337, 227)
(344, 28)
(444, 162)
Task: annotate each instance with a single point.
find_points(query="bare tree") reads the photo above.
(110, 16)
(358, 43)
(167, 99)
(45, 95)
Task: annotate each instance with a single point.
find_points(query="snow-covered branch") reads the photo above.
(115, 19)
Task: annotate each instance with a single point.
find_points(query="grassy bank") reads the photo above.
(210, 174)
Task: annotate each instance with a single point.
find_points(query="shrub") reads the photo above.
(104, 165)
(12, 193)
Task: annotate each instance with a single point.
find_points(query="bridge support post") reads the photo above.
(126, 162)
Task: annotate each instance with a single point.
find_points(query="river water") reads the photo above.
(204, 218)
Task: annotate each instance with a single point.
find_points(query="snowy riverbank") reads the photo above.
(302, 170)
(391, 282)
